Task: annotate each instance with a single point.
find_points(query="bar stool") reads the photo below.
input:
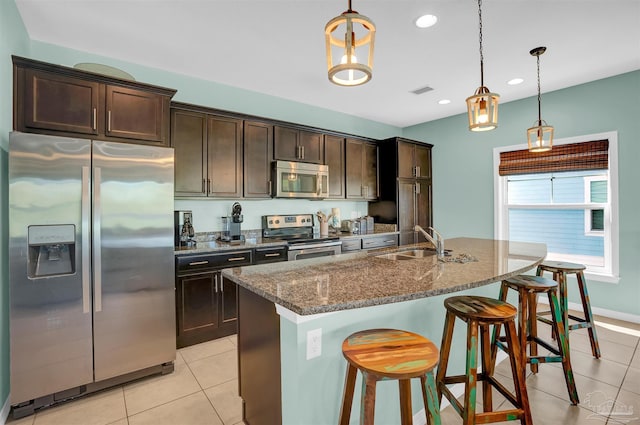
(383, 354)
(528, 288)
(560, 270)
(479, 313)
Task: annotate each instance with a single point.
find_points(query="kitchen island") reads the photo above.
(294, 316)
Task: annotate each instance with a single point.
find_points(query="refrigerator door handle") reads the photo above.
(86, 249)
(97, 254)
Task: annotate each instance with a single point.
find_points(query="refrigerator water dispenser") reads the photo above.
(51, 250)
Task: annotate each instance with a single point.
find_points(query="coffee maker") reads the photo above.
(183, 228)
(231, 229)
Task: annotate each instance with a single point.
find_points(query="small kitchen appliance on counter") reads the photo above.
(297, 231)
(183, 224)
(231, 229)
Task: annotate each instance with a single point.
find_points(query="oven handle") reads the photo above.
(300, 247)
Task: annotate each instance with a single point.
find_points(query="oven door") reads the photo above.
(303, 252)
(300, 180)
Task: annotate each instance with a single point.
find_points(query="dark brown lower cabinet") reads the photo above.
(206, 304)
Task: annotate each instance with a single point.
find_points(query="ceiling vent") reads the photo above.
(422, 90)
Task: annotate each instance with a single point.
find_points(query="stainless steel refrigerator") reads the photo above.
(91, 265)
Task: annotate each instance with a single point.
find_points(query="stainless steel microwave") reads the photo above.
(300, 180)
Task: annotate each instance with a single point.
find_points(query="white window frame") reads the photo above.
(588, 231)
(610, 273)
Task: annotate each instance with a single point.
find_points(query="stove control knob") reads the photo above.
(277, 221)
(270, 221)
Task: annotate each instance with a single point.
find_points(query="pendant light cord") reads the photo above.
(539, 98)
(481, 56)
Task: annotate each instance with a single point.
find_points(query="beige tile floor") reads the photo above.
(204, 388)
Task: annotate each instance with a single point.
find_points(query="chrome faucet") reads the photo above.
(438, 242)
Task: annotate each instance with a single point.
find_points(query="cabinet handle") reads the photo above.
(236, 259)
(109, 121)
(275, 254)
(302, 148)
(198, 263)
(414, 171)
(417, 188)
(270, 187)
(203, 186)
(418, 173)
(208, 185)
(215, 283)
(95, 118)
(220, 282)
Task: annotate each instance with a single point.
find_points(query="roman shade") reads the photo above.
(571, 157)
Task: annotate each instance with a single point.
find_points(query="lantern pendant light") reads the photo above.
(540, 136)
(352, 31)
(482, 107)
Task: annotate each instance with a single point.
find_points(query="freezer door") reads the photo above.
(49, 260)
(133, 261)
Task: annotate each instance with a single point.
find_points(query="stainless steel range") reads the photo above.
(297, 231)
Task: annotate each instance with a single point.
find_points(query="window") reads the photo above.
(566, 198)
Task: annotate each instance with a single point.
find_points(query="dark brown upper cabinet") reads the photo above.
(414, 161)
(57, 100)
(208, 154)
(224, 157)
(189, 140)
(258, 151)
(290, 144)
(361, 170)
(405, 187)
(334, 158)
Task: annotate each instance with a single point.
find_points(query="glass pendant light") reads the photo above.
(352, 31)
(540, 136)
(482, 107)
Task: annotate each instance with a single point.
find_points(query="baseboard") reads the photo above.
(420, 418)
(4, 413)
(611, 314)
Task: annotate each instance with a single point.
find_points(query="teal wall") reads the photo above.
(13, 40)
(463, 168)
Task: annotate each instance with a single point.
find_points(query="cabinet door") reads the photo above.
(423, 205)
(228, 300)
(406, 211)
(423, 161)
(334, 158)
(196, 308)
(286, 144)
(370, 171)
(188, 138)
(258, 151)
(406, 162)
(135, 114)
(54, 102)
(354, 152)
(224, 157)
(311, 147)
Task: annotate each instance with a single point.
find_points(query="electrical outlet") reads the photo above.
(314, 343)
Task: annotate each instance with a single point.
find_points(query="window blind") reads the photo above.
(572, 157)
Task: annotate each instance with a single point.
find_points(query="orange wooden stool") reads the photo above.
(389, 354)
(560, 270)
(528, 288)
(479, 313)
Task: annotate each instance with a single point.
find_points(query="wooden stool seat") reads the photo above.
(560, 270)
(390, 354)
(480, 308)
(528, 288)
(480, 313)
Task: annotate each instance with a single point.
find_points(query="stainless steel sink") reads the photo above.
(395, 256)
(418, 253)
(408, 255)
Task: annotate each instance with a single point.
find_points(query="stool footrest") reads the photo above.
(545, 320)
(499, 416)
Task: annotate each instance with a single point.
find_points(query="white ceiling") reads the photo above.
(277, 47)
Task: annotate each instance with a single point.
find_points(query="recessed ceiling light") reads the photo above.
(426, 21)
(444, 102)
(515, 81)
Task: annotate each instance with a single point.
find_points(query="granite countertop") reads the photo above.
(363, 279)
